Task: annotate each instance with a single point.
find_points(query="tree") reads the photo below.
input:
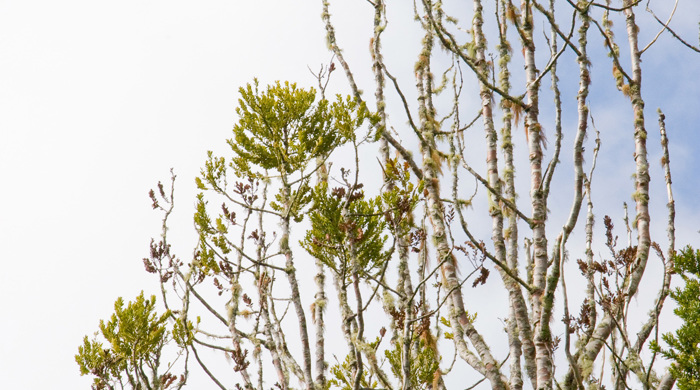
(683, 345)
(407, 251)
(136, 336)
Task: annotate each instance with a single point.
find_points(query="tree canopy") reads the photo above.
(452, 195)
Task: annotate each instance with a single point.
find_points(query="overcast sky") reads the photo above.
(99, 99)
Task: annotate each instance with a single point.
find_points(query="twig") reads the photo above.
(665, 26)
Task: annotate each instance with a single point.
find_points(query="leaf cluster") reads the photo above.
(683, 345)
(401, 197)
(135, 337)
(425, 364)
(333, 232)
(343, 376)
(283, 128)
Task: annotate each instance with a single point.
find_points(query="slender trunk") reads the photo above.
(641, 195)
(347, 317)
(671, 205)
(522, 341)
(320, 302)
(377, 69)
(589, 302)
(360, 327)
(580, 186)
(232, 305)
(406, 352)
(543, 351)
(652, 323)
(319, 306)
(358, 333)
(516, 301)
(280, 334)
(430, 169)
(293, 284)
(235, 338)
(590, 351)
(276, 350)
(377, 65)
(277, 359)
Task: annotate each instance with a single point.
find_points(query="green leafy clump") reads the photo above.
(401, 197)
(425, 364)
(343, 377)
(333, 232)
(135, 337)
(283, 135)
(683, 345)
(283, 128)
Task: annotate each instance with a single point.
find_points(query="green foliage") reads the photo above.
(282, 129)
(204, 258)
(683, 345)
(135, 331)
(425, 362)
(295, 201)
(401, 198)
(343, 376)
(213, 173)
(135, 337)
(93, 358)
(332, 232)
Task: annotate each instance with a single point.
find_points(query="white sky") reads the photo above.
(98, 99)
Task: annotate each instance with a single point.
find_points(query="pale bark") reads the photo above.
(519, 317)
(233, 304)
(579, 175)
(319, 307)
(235, 339)
(280, 337)
(667, 382)
(294, 285)
(518, 308)
(528, 328)
(347, 316)
(641, 195)
(436, 212)
(647, 377)
(671, 205)
(278, 360)
(543, 348)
